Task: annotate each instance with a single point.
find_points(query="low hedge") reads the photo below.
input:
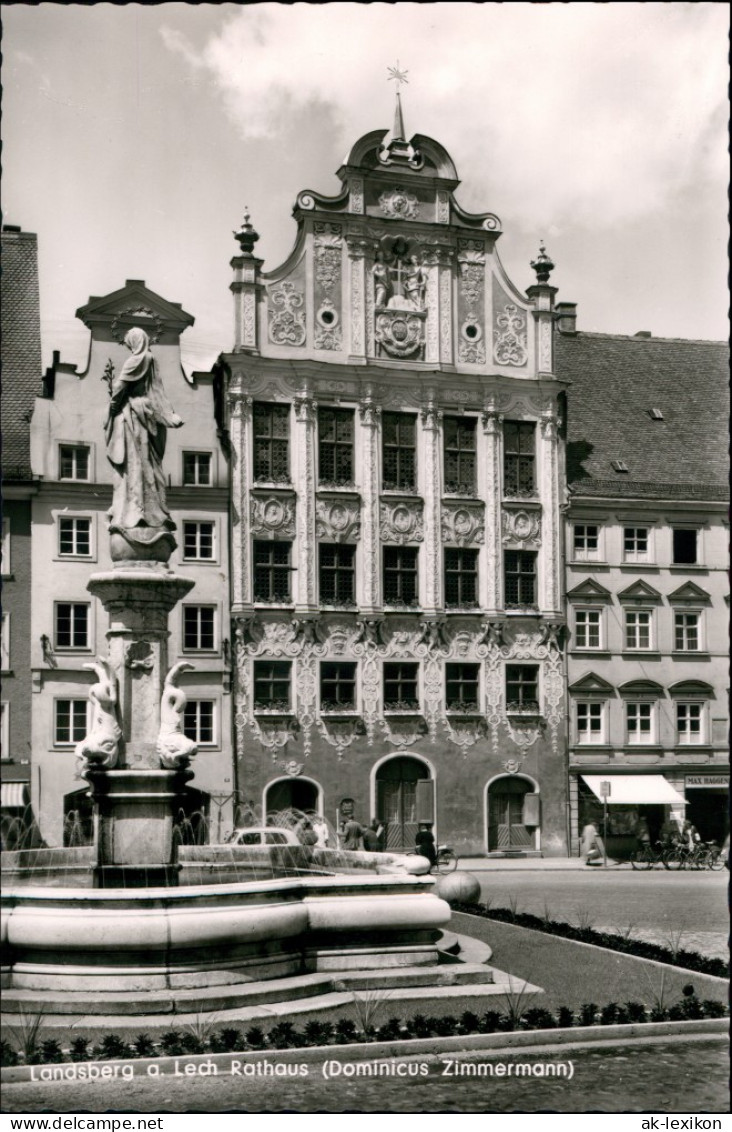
(690, 960)
(285, 1035)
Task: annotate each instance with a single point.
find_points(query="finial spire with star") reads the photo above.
(399, 76)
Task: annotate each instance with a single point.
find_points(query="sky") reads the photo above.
(135, 136)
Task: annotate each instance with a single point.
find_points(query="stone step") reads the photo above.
(232, 996)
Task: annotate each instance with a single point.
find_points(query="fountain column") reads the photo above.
(135, 800)
(136, 755)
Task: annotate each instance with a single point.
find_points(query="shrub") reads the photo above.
(659, 1014)
(318, 1033)
(391, 1031)
(609, 1014)
(636, 1011)
(80, 1049)
(171, 1043)
(490, 1022)
(692, 1007)
(144, 1046)
(469, 1022)
(445, 1026)
(111, 1048)
(284, 1036)
(676, 1012)
(565, 1018)
(588, 1013)
(51, 1052)
(712, 1008)
(345, 1031)
(192, 1043)
(255, 1038)
(226, 1040)
(537, 1018)
(420, 1026)
(8, 1055)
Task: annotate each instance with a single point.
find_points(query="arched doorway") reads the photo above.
(404, 797)
(291, 794)
(510, 826)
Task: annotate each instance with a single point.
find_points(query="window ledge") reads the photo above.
(462, 608)
(584, 650)
(408, 492)
(653, 654)
(601, 563)
(704, 747)
(522, 610)
(416, 710)
(340, 606)
(342, 488)
(688, 568)
(592, 746)
(260, 604)
(275, 713)
(534, 497)
(690, 654)
(283, 485)
(639, 567)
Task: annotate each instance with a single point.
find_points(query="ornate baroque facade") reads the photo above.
(397, 476)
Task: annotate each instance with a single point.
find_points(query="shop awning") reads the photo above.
(13, 795)
(630, 789)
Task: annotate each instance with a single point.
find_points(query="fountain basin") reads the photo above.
(97, 942)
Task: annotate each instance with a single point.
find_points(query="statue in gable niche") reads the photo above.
(136, 427)
(382, 281)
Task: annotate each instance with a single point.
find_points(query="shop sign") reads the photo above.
(696, 780)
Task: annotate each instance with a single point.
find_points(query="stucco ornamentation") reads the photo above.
(509, 337)
(443, 207)
(340, 733)
(400, 333)
(274, 515)
(471, 261)
(400, 203)
(465, 733)
(356, 197)
(463, 524)
(402, 521)
(521, 528)
(403, 731)
(545, 346)
(286, 319)
(132, 314)
(337, 520)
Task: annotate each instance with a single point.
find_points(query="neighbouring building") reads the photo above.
(397, 475)
(647, 580)
(21, 376)
(70, 542)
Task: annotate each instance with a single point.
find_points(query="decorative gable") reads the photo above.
(689, 594)
(592, 685)
(109, 318)
(589, 591)
(640, 593)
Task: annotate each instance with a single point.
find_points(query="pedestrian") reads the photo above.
(351, 835)
(592, 848)
(690, 835)
(322, 834)
(373, 841)
(425, 842)
(642, 834)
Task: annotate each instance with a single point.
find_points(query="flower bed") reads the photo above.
(642, 949)
(204, 1038)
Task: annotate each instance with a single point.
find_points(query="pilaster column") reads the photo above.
(371, 593)
(492, 430)
(550, 544)
(542, 296)
(431, 420)
(241, 581)
(447, 355)
(357, 251)
(305, 423)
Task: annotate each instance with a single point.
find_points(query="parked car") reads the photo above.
(262, 835)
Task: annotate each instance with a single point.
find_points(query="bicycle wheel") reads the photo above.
(447, 862)
(641, 859)
(715, 860)
(673, 858)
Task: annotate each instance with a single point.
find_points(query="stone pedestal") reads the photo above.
(135, 803)
(138, 602)
(134, 815)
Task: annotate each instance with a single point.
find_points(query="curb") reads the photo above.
(218, 1063)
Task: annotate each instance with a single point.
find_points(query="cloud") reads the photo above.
(589, 113)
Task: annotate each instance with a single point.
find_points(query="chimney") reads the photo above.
(566, 316)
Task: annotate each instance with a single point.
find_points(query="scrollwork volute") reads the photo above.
(338, 520)
(463, 524)
(402, 521)
(273, 515)
(286, 318)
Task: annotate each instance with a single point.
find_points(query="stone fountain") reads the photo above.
(136, 935)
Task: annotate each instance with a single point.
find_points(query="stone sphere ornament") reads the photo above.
(458, 888)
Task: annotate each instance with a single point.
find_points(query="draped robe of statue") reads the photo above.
(135, 432)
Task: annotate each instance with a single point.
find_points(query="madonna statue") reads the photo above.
(140, 525)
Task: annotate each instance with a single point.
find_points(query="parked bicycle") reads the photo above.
(648, 856)
(447, 860)
(703, 855)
